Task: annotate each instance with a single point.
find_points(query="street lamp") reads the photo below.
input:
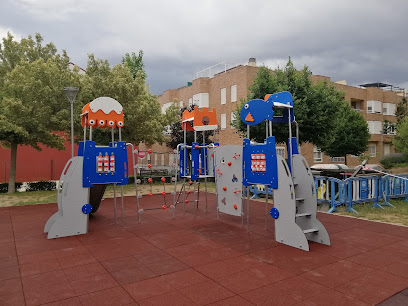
(71, 93)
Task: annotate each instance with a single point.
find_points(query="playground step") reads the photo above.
(304, 215)
(300, 199)
(311, 230)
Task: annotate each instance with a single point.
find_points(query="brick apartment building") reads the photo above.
(225, 89)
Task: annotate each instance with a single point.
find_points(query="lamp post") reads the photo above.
(71, 93)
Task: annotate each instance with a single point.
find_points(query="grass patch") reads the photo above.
(395, 215)
(28, 198)
(44, 197)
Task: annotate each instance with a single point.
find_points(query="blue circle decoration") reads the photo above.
(274, 213)
(87, 208)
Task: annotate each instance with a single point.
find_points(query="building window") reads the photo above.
(389, 109)
(201, 99)
(165, 106)
(375, 127)
(337, 159)
(234, 93)
(357, 105)
(387, 149)
(373, 149)
(223, 121)
(317, 155)
(280, 151)
(171, 159)
(374, 107)
(223, 95)
(233, 118)
(389, 128)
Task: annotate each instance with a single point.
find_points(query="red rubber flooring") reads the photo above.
(195, 259)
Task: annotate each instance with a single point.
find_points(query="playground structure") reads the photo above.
(294, 192)
(235, 169)
(85, 177)
(195, 161)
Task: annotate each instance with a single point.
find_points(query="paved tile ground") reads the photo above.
(195, 259)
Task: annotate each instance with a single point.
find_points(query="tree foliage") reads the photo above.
(316, 107)
(144, 121)
(400, 141)
(350, 135)
(32, 100)
(135, 63)
(402, 110)
(33, 104)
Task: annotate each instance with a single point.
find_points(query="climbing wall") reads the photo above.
(228, 174)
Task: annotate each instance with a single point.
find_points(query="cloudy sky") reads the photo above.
(358, 41)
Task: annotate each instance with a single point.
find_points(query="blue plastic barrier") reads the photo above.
(259, 190)
(330, 190)
(356, 190)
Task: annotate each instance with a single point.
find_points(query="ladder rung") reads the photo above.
(303, 215)
(300, 199)
(311, 230)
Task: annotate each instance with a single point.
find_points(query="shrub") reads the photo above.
(394, 160)
(4, 187)
(41, 186)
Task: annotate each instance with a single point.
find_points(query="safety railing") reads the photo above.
(357, 190)
(330, 190)
(257, 190)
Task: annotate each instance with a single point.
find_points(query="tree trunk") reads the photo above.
(345, 159)
(13, 162)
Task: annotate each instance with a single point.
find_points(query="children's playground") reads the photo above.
(183, 245)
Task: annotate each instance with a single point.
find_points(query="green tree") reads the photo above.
(135, 63)
(400, 141)
(350, 135)
(144, 121)
(315, 105)
(32, 100)
(402, 110)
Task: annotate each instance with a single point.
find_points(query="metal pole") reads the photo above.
(85, 119)
(266, 128)
(114, 185)
(266, 206)
(205, 158)
(122, 205)
(290, 142)
(72, 129)
(71, 93)
(114, 203)
(297, 136)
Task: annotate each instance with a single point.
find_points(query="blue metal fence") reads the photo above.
(356, 190)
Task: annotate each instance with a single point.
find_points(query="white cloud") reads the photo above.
(352, 40)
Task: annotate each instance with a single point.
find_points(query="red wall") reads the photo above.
(33, 165)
